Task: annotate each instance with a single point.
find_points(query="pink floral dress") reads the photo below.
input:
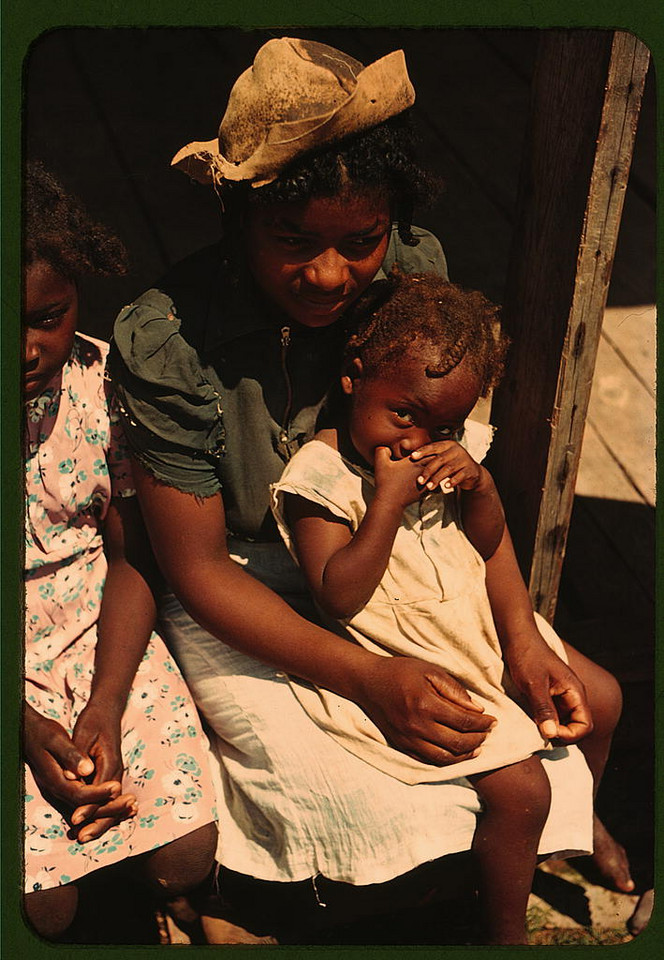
(75, 462)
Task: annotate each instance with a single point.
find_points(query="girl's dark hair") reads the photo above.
(381, 158)
(58, 229)
(423, 309)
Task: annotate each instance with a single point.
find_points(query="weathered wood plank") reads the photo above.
(627, 70)
(557, 288)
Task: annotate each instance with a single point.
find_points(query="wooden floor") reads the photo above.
(106, 110)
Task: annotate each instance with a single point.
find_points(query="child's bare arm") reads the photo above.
(125, 622)
(448, 464)
(343, 569)
(556, 696)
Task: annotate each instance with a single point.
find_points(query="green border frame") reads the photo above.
(22, 22)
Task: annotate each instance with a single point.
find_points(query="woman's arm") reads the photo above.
(418, 706)
(556, 695)
(125, 623)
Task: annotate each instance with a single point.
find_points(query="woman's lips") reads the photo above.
(322, 303)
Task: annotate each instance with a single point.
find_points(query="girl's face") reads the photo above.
(49, 324)
(313, 258)
(403, 409)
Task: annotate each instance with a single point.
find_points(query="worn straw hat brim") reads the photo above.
(383, 90)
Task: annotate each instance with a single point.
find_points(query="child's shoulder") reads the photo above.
(329, 437)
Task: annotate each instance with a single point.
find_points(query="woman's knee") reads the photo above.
(183, 864)
(51, 912)
(602, 689)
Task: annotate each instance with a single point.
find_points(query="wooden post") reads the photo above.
(587, 93)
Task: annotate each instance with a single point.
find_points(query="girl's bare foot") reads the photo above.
(610, 859)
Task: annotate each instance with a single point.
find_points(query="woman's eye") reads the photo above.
(364, 243)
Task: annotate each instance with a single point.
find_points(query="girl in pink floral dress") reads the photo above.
(116, 761)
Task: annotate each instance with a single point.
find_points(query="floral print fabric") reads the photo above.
(76, 460)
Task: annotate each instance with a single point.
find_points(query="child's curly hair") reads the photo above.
(381, 158)
(58, 230)
(423, 308)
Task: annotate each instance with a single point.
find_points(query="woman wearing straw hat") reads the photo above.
(221, 373)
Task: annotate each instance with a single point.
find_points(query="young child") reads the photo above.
(399, 550)
(116, 760)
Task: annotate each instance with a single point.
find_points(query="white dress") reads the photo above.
(431, 603)
(296, 804)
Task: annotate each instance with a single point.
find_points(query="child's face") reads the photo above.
(314, 258)
(404, 409)
(49, 324)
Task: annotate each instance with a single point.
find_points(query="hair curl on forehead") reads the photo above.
(450, 323)
(58, 230)
(380, 159)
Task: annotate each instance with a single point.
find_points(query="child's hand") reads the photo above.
(97, 732)
(396, 479)
(61, 768)
(556, 696)
(448, 465)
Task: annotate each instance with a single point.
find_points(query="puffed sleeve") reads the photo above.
(170, 406)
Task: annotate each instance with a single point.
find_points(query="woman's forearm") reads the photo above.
(238, 609)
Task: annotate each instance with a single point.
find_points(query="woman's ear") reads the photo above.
(351, 374)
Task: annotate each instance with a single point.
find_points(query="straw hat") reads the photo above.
(299, 95)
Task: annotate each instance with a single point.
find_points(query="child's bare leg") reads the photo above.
(605, 699)
(176, 870)
(516, 800)
(51, 912)
(183, 864)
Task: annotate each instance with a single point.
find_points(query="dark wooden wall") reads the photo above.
(107, 108)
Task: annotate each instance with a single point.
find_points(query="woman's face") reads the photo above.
(313, 258)
(49, 324)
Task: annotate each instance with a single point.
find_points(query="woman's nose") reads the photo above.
(328, 272)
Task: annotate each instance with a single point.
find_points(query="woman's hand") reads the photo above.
(556, 696)
(423, 711)
(97, 733)
(447, 463)
(60, 768)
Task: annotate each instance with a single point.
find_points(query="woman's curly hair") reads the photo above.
(452, 323)
(58, 230)
(381, 158)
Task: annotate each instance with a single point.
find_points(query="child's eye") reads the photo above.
(449, 433)
(50, 319)
(404, 415)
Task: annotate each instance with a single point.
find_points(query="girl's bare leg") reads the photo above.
(51, 912)
(516, 800)
(605, 701)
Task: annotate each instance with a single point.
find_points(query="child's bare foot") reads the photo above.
(610, 859)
